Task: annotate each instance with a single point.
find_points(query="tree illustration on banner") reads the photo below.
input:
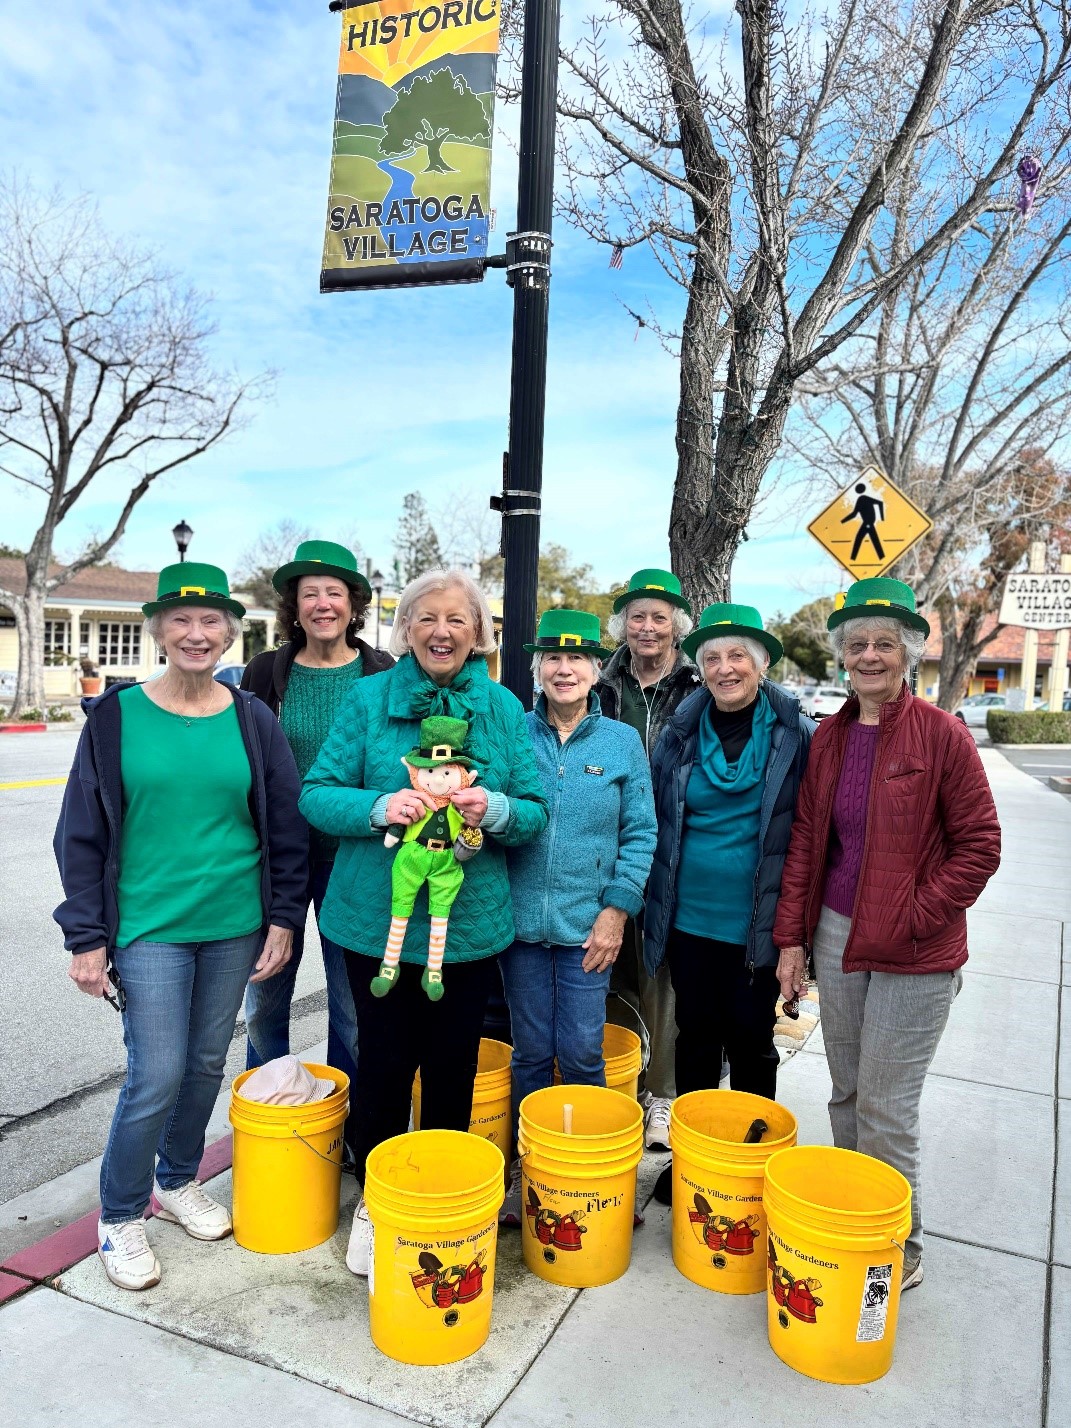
(433, 109)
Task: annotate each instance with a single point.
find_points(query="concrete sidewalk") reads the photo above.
(985, 1341)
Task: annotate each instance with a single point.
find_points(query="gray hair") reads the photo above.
(540, 655)
(444, 580)
(154, 625)
(682, 621)
(760, 655)
(912, 641)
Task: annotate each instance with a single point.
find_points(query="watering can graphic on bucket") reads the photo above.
(439, 1286)
(562, 1231)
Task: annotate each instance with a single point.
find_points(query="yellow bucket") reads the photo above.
(490, 1095)
(837, 1224)
(622, 1051)
(433, 1198)
(719, 1229)
(287, 1167)
(578, 1189)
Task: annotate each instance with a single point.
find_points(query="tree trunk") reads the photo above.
(29, 613)
(960, 649)
(436, 163)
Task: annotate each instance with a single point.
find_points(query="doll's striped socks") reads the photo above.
(432, 980)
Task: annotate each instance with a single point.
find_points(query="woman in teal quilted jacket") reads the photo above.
(356, 789)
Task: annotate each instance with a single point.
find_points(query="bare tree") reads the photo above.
(759, 168)
(958, 390)
(104, 373)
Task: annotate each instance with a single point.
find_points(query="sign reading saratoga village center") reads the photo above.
(1037, 600)
(410, 183)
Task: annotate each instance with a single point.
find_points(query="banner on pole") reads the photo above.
(410, 188)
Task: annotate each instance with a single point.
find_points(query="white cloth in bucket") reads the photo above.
(285, 1082)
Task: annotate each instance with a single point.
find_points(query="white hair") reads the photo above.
(912, 641)
(616, 624)
(760, 655)
(444, 580)
(540, 655)
(154, 625)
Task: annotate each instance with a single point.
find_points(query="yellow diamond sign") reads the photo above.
(869, 525)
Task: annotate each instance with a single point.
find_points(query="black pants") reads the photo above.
(406, 1031)
(720, 1006)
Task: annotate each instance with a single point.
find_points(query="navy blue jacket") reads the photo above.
(671, 767)
(88, 832)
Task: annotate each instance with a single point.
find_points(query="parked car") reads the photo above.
(975, 707)
(825, 700)
(230, 674)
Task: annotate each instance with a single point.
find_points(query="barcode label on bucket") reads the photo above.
(875, 1306)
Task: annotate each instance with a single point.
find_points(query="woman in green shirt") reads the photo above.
(323, 603)
(183, 859)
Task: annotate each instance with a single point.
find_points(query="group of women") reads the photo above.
(665, 820)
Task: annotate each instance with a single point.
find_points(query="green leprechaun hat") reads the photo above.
(653, 585)
(322, 557)
(441, 742)
(573, 630)
(879, 595)
(191, 582)
(718, 620)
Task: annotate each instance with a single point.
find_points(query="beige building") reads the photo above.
(1000, 664)
(97, 616)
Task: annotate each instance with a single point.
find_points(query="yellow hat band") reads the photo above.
(191, 590)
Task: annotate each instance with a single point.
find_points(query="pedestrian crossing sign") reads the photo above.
(869, 525)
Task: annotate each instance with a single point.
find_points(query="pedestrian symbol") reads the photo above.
(869, 525)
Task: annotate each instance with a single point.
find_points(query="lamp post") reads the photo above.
(183, 535)
(377, 585)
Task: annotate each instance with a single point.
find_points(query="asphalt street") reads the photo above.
(55, 1043)
(1039, 763)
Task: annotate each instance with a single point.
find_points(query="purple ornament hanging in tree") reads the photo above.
(1029, 171)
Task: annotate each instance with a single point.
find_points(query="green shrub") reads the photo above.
(1040, 726)
(30, 716)
(57, 714)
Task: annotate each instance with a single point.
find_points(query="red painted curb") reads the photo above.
(11, 1286)
(74, 1242)
(23, 728)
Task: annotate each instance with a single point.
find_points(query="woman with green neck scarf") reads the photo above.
(359, 787)
(726, 775)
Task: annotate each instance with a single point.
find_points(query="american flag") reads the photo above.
(617, 256)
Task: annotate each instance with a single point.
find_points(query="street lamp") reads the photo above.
(183, 535)
(377, 585)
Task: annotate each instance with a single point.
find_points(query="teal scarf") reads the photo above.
(419, 697)
(750, 768)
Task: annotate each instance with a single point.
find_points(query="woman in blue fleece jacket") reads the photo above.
(573, 886)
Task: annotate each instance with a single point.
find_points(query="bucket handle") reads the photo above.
(295, 1132)
(645, 1035)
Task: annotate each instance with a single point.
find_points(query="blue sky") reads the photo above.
(204, 132)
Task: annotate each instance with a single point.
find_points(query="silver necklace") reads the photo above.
(188, 719)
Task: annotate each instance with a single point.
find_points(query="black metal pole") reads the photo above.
(528, 273)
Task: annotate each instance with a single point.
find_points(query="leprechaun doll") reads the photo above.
(431, 850)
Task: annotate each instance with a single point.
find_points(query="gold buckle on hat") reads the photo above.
(442, 751)
(650, 586)
(191, 590)
(721, 622)
(568, 640)
(435, 845)
(877, 602)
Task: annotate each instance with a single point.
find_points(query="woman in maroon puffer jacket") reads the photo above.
(895, 836)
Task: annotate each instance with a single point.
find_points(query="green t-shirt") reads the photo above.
(313, 698)
(189, 856)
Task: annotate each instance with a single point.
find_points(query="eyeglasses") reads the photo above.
(860, 647)
(119, 1000)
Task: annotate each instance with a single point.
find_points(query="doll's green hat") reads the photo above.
(879, 595)
(718, 620)
(191, 582)
(575, 631)
(441, 742)
(653, 585)
(322, 557)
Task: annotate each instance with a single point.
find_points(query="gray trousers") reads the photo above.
(881, 1031)
(654, 998)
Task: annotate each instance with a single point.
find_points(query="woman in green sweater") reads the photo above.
(357, 788)
(322, 606)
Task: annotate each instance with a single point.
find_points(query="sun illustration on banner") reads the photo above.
(389, 40)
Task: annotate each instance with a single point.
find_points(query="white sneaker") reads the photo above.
(126, 1254)
(359, 1249)
(510, 1213)
(196, 1212)
(912, 1276)
(656, 1111)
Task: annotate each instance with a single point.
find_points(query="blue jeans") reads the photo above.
(182, 1001)
(267, 1004)
(557, 1010)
